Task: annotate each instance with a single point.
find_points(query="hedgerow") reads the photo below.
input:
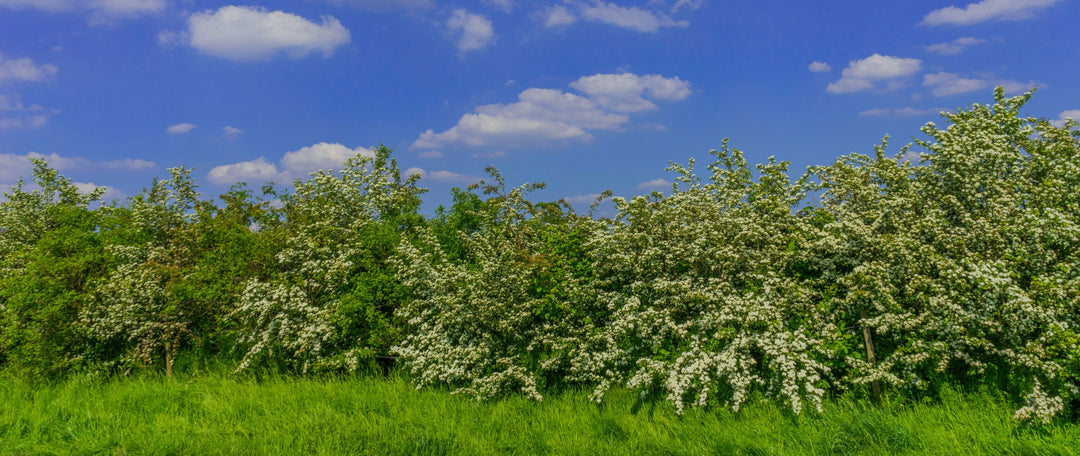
(955, 259)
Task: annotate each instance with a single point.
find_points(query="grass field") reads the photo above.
(218, 414)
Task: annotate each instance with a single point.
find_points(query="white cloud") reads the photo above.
(257, 170)
(944, 84)
(582, 199)
(24, 69)
(900, 112)
(169, 38)
(105, 11)
(473, 31)
(1070, 114)
(387, 5)
(986, 10)
(650, 126)
(20, 115)
(430, 153)
(111, 193)
(655, 184)
(180, 128)
(15, 104)
(125, 164)
(866, 74)
(542, 116)
(231, 132)
(320, 156)
(819, 67)
(101, 11)
(559, 16)
(247, 34)
(293, 164)
(492, 154)
(625, 92)
(691, 5)
(506, 6)
(33, 121)
(13, 167)
(632, 18)
(443, 176)
(953, 47)
(43, 5)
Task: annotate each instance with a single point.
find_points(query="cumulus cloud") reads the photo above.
(430, 153)
(819, 67)
(43, 5)
(14, 167)
(1065, 115)
(293, 164)
(443, 176)
(691, 5)
(877, 72)
(245, 34)
(14, 114)
(257, 170)
(14, 103)
(632, 18)
(29, 122)
(539, 115)
(944, 84)
(111, 193)
(492, 154)
(986, 10)
(101, 11)
(655, 184)
(900, 112)
(953, 47)
(472, 31)
(506, 6)
(582, 199)
(24, 69)
(543, 116)
(231, 132)
(625, 92)
(559, 16)
(650, 126)
(180, 128)
(387, 5)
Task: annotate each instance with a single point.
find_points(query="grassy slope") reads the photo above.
(222, 415)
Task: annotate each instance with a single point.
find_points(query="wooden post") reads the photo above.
(168, 359)
(868, 342)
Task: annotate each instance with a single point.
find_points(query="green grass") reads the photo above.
(387, 416)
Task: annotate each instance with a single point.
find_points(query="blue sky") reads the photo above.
(584, 95)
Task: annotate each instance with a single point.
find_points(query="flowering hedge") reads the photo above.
(956, 259)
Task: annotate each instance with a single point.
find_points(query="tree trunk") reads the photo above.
(868, 342)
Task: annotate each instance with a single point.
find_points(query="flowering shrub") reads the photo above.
(508, 312)
(963, 266)
(704, 305)
(329, 303)
(140, 303)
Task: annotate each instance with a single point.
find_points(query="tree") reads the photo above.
(49, 252)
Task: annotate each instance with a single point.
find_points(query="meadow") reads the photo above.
(215, 414)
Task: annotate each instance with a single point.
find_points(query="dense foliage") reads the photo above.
(959, 263)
